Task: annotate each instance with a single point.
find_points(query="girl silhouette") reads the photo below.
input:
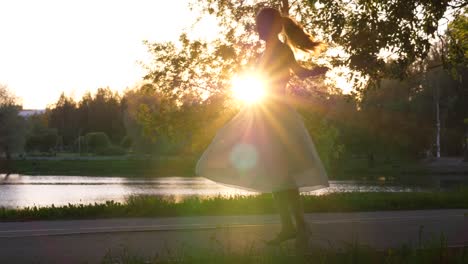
(265, 147)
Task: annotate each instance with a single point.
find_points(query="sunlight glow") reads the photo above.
(339, 78)
(55, 46)
(248, 88)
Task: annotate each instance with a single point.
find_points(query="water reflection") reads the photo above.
(21, 190)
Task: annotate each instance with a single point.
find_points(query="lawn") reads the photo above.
(152, 206)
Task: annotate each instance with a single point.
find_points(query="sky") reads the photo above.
(52, 46)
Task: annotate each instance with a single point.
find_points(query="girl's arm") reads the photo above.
(304, 72)
(300, 71)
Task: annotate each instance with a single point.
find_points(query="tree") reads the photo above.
(157, 123)
(194, 67)
(62, 116)
(379, 39)
(457, 60)
(12, 126)
(102, 112)
(457, 41)
(39, 136)
(135, 99)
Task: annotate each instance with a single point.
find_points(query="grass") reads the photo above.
(435, 251)
(109, 167)
(185, 166)
(151, 206)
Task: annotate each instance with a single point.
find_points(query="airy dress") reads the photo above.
(266, 147)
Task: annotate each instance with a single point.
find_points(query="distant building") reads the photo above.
(29, 112)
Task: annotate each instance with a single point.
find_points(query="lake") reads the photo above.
(22, 190)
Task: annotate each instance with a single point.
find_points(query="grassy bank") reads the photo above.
(185, 166)
(108, 167)
(150, 206)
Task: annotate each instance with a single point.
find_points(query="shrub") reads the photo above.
(80, 144)
(97, 141)
(42, 143)
(126, 142)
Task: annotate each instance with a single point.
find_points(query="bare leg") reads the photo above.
(297, 209)
(287, 228)
(281, 199)
(303, 231)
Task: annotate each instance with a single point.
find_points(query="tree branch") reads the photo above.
(285, 7)
(459, 6)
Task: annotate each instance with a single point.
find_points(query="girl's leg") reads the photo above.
(303, 231)
(287, 227)
(297, 208)
(282, 203)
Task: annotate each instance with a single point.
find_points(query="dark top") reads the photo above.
(275, 65)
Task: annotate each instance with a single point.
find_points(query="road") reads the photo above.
(81, 241)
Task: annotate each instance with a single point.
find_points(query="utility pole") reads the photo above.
(437, 108)
(435, 82)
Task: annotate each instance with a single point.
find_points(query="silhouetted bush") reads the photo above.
(126, 142)
(97, 142)
(42, 143)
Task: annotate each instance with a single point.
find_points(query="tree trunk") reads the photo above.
(285, 7)
(7, 161)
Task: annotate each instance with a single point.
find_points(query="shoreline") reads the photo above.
(105, 167)
(184, 166)
(154, 206)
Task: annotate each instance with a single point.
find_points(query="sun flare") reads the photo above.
(248, 89)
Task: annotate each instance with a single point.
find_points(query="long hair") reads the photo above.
(272, 22)
(296, 37)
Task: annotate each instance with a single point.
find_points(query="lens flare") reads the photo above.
(243, 156)
(248, 88)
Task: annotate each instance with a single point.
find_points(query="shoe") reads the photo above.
(282, 237)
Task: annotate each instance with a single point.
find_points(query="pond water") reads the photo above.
(22, 191)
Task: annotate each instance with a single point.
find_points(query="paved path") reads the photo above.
(89, 240)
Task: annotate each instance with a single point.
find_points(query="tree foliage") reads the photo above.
(194, 67)
(12, 125)
(377, 39)
(40, 137)
(380, 39)
(63, 117)
(101, 112)
(144, 99)
(184, 125)
(457, 38)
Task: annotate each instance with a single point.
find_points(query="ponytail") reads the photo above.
(297, 38)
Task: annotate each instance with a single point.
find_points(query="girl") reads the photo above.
(265, 147)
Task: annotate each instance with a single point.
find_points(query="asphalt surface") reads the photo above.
(88, 241)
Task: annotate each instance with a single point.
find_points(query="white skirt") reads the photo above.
(264, 148)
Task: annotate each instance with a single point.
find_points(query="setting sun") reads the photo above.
(248, 88)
